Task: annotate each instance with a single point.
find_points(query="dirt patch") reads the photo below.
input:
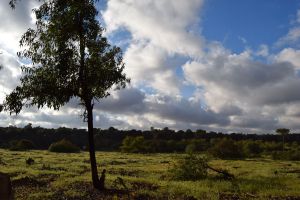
(2, 162)
(125, 172)
(296, 171)
(284, 198)
(143, 186)
(246, 196)
(29, 182)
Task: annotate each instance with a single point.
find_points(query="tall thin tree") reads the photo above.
(283, 132)
(70, 59)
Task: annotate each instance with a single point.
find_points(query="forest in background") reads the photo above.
(153, 141)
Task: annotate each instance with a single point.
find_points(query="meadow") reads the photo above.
(144, 176)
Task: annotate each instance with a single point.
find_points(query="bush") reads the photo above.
(133, 144)
(192, 167)
(293, 155)
(21, 145)
(227, 149)
(252, 148)
(190, 148)
(64, 146)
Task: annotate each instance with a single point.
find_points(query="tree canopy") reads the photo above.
(70, 57)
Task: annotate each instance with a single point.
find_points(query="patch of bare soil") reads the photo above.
(143, 185)
(29, 182)
(110, 194)
(246, 196)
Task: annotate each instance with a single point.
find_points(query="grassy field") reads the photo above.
(67, 176)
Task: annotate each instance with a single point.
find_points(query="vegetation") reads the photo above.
(70, 59)
(226, 149)
(192, 167)
(156, 141)
(64, 146)
(146, 176)
(286, 155)
(21, 145)
(133, 144)
(283, 132)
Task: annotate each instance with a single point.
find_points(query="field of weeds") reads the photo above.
(144, 176)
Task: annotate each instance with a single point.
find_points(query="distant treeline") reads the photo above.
(165, 140)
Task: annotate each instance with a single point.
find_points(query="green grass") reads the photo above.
(67, 176)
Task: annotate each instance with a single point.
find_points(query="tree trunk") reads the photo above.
(94, 169)
(282, 142)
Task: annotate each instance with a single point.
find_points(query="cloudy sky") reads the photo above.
(218, 65)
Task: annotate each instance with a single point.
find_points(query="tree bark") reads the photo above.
(94, 169)
(282, 142)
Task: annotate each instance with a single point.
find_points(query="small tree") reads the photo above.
(70, 59)
(283, 132)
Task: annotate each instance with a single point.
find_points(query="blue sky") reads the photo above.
(258, 22)
(218, 65)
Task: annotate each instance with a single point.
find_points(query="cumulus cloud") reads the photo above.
(289, 55)
(160, 30)
(165, 23)
(14, 23)
(146, 64)
(238, 77)
(254, 88)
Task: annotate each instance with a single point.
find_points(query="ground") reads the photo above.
(145, 176)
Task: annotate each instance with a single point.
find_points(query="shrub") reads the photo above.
(227, 149)
(190, 148)
(21, 145)
(133, 144)
(192, 167)
(64, 146)
(252, 148)
(293, 155)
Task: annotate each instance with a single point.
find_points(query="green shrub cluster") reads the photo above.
(21, 145)
(227, 149)
(64, 146)
(223, 148)
(293, 155)
(192, 167)
(133, 144)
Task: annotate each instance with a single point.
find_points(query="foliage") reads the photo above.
(227, 149)
(133, 144)
(21, 145)
(64, 146)
(283, 131)
(252, 145)
(191, 167)
(190, 148)
(70, 58)
(286, 155)
(252, 148)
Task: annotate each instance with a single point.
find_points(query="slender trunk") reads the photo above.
(94, 169)
(282, 142)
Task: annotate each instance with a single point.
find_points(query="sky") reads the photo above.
(230, 66)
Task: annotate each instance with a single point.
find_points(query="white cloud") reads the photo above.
(14, 23)
(293, 35)
(263, 51)
(160, 30)
(167, 24)
(289, 55)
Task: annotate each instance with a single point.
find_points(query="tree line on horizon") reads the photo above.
(111, 139)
